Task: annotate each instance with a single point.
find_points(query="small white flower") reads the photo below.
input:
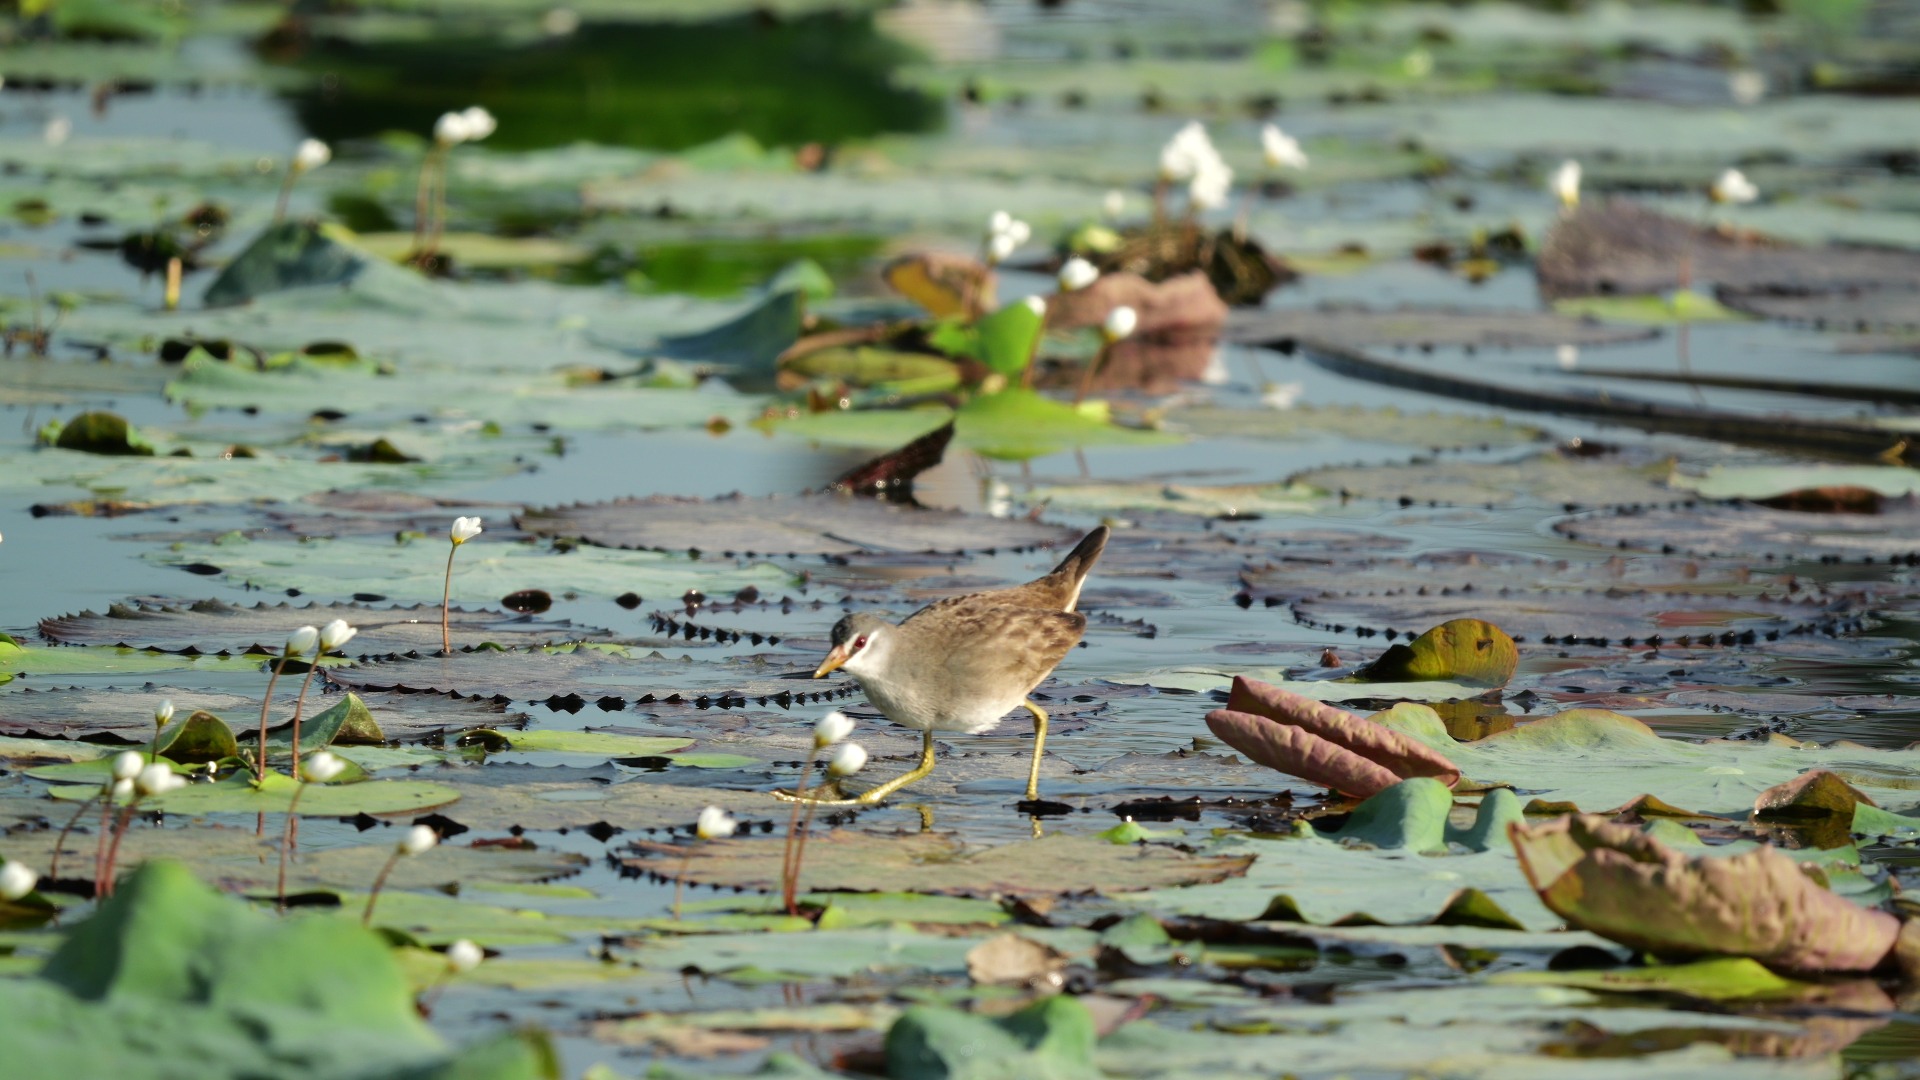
(311, 154)
(304, 640)
(464, 529)
(1120, 323)
(848, 758)
(1746, 87)
(323, 766)
(451, 129)
(16, 880)
(1020, 231)
(1209, 187)
(831, 728)
(1000, 222)
(1281, 396)
(714, 824)
(335, 634)
(1037, 305)
(163, 715)
(1187, 153)
(1114, 204)
(1281, 149)
(480, 123)
(57, 131)
(122, 790)
(1733, 187)
(127, 764)
(1568, 357)
(158, 779)
(1077, 273)
(1565, 183)
(1000, 247)
(418, 839)
(463, 956)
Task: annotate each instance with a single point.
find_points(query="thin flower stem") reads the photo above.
(300, 700)
(266, 702)
(105, 888)
(422, 192)
(1093, 367)
(380, 882)
(286, 839)
(787, 872)
(446, 602)
(286, 189)
(799, 860)
(53, 871)
(106, 834)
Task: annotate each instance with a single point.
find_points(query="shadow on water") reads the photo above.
(823, 78)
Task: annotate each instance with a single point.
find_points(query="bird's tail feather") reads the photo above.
(1074, 568)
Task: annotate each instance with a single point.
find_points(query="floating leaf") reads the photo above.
(933, 863)
(1470, 651)
(237, 794)
(791, 525)
(299, 255)
(214, 626)
(1423, 328)
(600, 744)
(582, 674)
(1624, 885)
(101, 433)
(1052, 1039)
(1751, 532)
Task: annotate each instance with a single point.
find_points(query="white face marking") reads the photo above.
(867, 659)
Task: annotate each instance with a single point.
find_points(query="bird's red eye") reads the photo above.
(859, 643)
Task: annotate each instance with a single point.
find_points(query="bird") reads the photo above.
(962, 663)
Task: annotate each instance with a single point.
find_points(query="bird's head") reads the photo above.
(858, 642)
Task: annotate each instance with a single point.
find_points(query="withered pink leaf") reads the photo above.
(1299, 752)
(1622, 884)
(1398, 753)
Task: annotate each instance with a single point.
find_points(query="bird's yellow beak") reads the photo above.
(833, 661)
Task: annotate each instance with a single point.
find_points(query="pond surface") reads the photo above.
(1357, 465)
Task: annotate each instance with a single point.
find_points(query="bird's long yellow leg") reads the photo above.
(879, 793)
(1039, 747)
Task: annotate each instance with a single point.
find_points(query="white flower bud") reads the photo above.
(323, 766)
(335, 634)
(16, 880)
(463, 956)
(450, 129)
(1280, 149)
(848, 758)
(304, 640)
(480, 123)
(1120, 323)
(1733, 187)
(311, 154)
(1000, 222)
(1565, 183)
(1000, 247)
(418, 839)
(122, 790)
(1037, 305)
(127, 764)
(715, 824)
(163, 715)
(157, 779)
(1209, 187)
(831, 728)
(464, 529)
(1114, 204)
(1077, 273)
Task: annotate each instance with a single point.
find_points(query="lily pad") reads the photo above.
(934, 863)
(1423, 328)
(1743, 531)
(1542, 480)
(793, 525)
(237, 795)
(415, 571)
(1544, 600)
(583, 674)
(1428, 430)
(214, 626)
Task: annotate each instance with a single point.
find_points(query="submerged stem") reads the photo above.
(286, 839)
(789, 873)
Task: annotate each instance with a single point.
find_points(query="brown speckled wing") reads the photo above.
(1002, 646)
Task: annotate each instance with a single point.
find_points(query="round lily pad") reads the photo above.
(214, 626)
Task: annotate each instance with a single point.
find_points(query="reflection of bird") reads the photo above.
(962, 663)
